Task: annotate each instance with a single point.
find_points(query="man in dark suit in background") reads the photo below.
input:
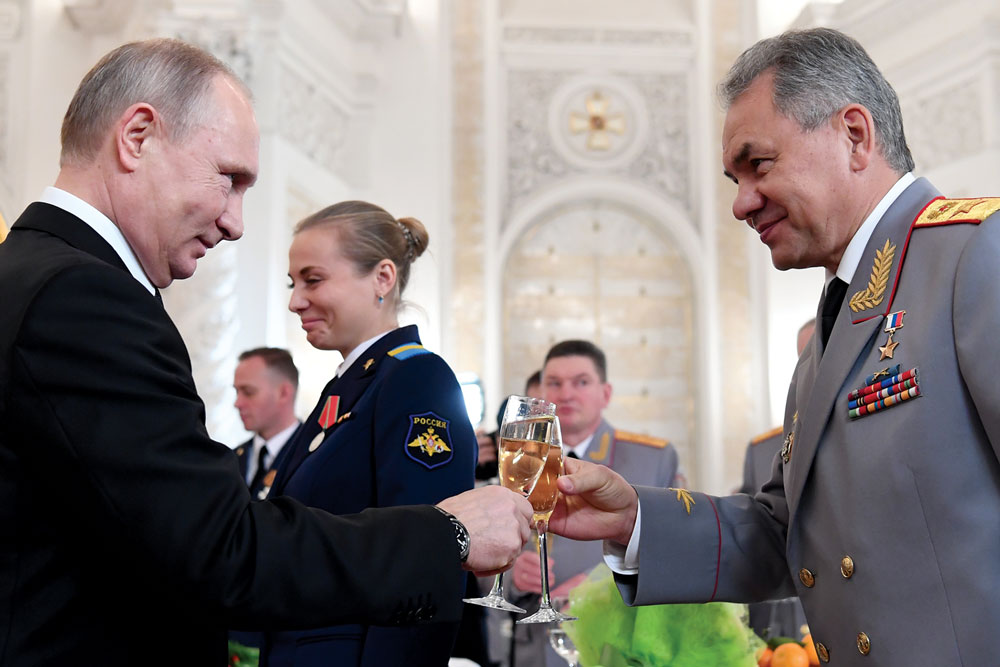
(266, 381)
(127, 535)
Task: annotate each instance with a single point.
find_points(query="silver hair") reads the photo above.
(172, 76)
(816, 73)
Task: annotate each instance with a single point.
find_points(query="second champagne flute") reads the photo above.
(543, 501)
(525, 435)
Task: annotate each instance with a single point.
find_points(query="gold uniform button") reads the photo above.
(822, 652)
(807, 578)
(864, 644)
(847, 567)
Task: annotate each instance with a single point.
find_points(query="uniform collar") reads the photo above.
(856, 248)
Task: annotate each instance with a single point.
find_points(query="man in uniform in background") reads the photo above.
(266, 382)
(775, 618)
(574, 377)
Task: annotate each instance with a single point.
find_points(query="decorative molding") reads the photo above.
(96, 17)
(935, 144)
(312, 121)
(625, 111)
(10, 20)
(597, 36)
(539, 154)
(374, 20)
(231, 45)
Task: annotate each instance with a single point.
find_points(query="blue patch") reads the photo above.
(428, 440)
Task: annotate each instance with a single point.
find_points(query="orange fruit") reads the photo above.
(811, 651)
(790, 655)
(764, 656)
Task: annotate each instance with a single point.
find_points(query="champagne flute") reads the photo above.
(560, 641)
(543, 500)
(525, 434)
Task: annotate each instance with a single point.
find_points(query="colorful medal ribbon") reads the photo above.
(328, 416)
(878, 395)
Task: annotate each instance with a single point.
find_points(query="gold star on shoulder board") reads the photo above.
(368, 364)
(888, 349)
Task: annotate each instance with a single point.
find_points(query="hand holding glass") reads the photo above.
(543, 500)
(525, 434)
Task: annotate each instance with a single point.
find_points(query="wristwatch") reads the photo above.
(461, 534)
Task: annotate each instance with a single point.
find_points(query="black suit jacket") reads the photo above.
(127, 535)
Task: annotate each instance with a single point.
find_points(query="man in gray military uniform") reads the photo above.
(882, 515)
(774, 618)
(574, 377)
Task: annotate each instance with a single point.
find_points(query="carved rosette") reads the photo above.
(651, 110)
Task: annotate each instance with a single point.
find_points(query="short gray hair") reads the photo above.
(172, 76)
(816, 73)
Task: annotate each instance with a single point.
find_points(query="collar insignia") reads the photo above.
(873, 294)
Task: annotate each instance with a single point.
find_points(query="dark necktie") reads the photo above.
(831, 307)
(258, 477)
(572, 455)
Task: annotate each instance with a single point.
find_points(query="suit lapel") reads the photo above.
(54, 220)
(868, 299)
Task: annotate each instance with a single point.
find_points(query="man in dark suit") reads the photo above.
(266, 381)
(881, 513)
(127, 535)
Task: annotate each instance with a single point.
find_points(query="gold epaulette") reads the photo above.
(765, 436)
(640, 439)
(955, 211)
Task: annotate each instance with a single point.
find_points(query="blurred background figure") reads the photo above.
(575, 378)
(390, 428)
(486, 466)
(266, 382)
(777, 618)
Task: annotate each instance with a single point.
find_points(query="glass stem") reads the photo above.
(543, 557)
(497, 590)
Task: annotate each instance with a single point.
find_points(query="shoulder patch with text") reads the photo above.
(428, 440)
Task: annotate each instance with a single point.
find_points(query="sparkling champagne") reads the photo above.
(543, 497)
(523, 447)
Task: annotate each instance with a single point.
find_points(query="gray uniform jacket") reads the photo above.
(775, 618)
(640, 460)
(887, 526)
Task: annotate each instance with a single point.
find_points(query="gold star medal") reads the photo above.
(893, 321)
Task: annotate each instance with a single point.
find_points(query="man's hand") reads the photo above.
(528, 573)
(498, 521)
(487, 447)
(563, 589)
(596, 504)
